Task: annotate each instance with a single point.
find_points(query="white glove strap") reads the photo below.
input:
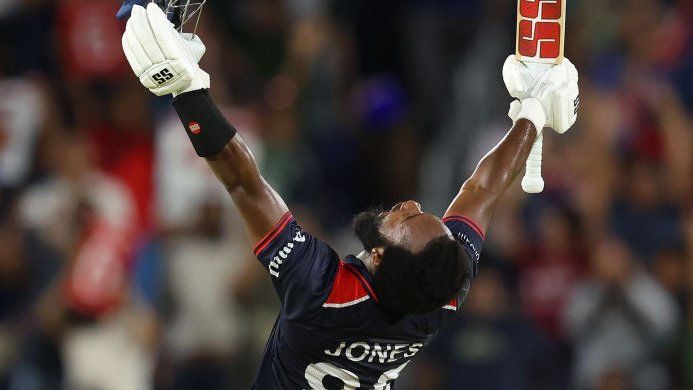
(533, 111)
(515, 108)
(200, 81)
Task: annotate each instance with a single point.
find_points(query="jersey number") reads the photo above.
(325, 376)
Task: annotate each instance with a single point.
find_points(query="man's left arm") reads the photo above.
(470, 212)
(546, 103)
(493, 175)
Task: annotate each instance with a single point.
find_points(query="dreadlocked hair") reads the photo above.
(411, 283)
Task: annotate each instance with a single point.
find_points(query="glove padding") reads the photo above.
(163, 59)
(556, 88)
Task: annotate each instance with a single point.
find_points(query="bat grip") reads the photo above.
(532, 182)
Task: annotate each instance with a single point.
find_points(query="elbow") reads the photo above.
(227, 174)
(232, 166)
(232, 186)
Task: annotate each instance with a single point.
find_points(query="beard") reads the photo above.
(366, 227)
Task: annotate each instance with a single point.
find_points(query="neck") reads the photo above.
(367, 259)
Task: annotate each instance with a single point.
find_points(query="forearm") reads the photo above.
(235, 166)
(257, 201)
(494, 174)
(166, 63)
(231, 160)
(499, 168)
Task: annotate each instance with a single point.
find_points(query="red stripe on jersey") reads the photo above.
(472, 223)
(364, 282)
(347, 289)
(452, 305)
(272, 234)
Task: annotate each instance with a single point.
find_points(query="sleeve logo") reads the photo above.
(464, 240)
(283, 254)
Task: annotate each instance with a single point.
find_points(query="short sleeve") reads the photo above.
(301, 267)
(468, 233)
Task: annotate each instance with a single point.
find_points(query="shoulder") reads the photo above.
(349, 288)
(455, 222)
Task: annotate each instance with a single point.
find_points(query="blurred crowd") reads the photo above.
(124, 266)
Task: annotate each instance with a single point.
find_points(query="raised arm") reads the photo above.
(231, 160)
(495, 172)
(546, 98)
(166, 62)
(258, 203)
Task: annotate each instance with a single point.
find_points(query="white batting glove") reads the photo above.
(565, 104)
(530, 109)
(556, 88)
(163, 59)
(518, 78)
(515, 108)
(558, 92)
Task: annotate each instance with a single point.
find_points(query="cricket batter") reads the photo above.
(350, 322)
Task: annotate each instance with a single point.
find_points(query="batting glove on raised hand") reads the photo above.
(556, 88)
(163, 59)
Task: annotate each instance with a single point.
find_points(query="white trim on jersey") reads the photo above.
(340, 305)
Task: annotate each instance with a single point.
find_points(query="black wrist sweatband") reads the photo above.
(208, 130)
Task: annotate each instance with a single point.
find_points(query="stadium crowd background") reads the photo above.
(123, 266)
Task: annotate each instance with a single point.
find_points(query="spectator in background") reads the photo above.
(125, 147)
(88, 40)
(550, 268)
(549, 265)
(643, 215)
(206, 338)
(23, 114)
(27, 267)
(59, 206)
(87, 216)
(619, 320)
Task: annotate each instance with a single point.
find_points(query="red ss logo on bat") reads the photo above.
(543, 32)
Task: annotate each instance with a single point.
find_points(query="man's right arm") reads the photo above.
(166, 62)
(216, 140)
(258, 203)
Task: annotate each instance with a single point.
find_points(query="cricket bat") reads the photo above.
(539, 44)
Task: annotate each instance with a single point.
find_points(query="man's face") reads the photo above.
(404, 225)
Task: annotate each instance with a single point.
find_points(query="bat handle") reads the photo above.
(533, 183)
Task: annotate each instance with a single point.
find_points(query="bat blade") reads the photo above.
(540, 31)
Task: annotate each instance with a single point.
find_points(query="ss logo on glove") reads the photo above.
(163, 59)
(163, 76)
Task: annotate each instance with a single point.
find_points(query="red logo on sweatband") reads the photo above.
(194, 127)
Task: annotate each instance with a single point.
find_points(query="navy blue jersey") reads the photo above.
(331, 333)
